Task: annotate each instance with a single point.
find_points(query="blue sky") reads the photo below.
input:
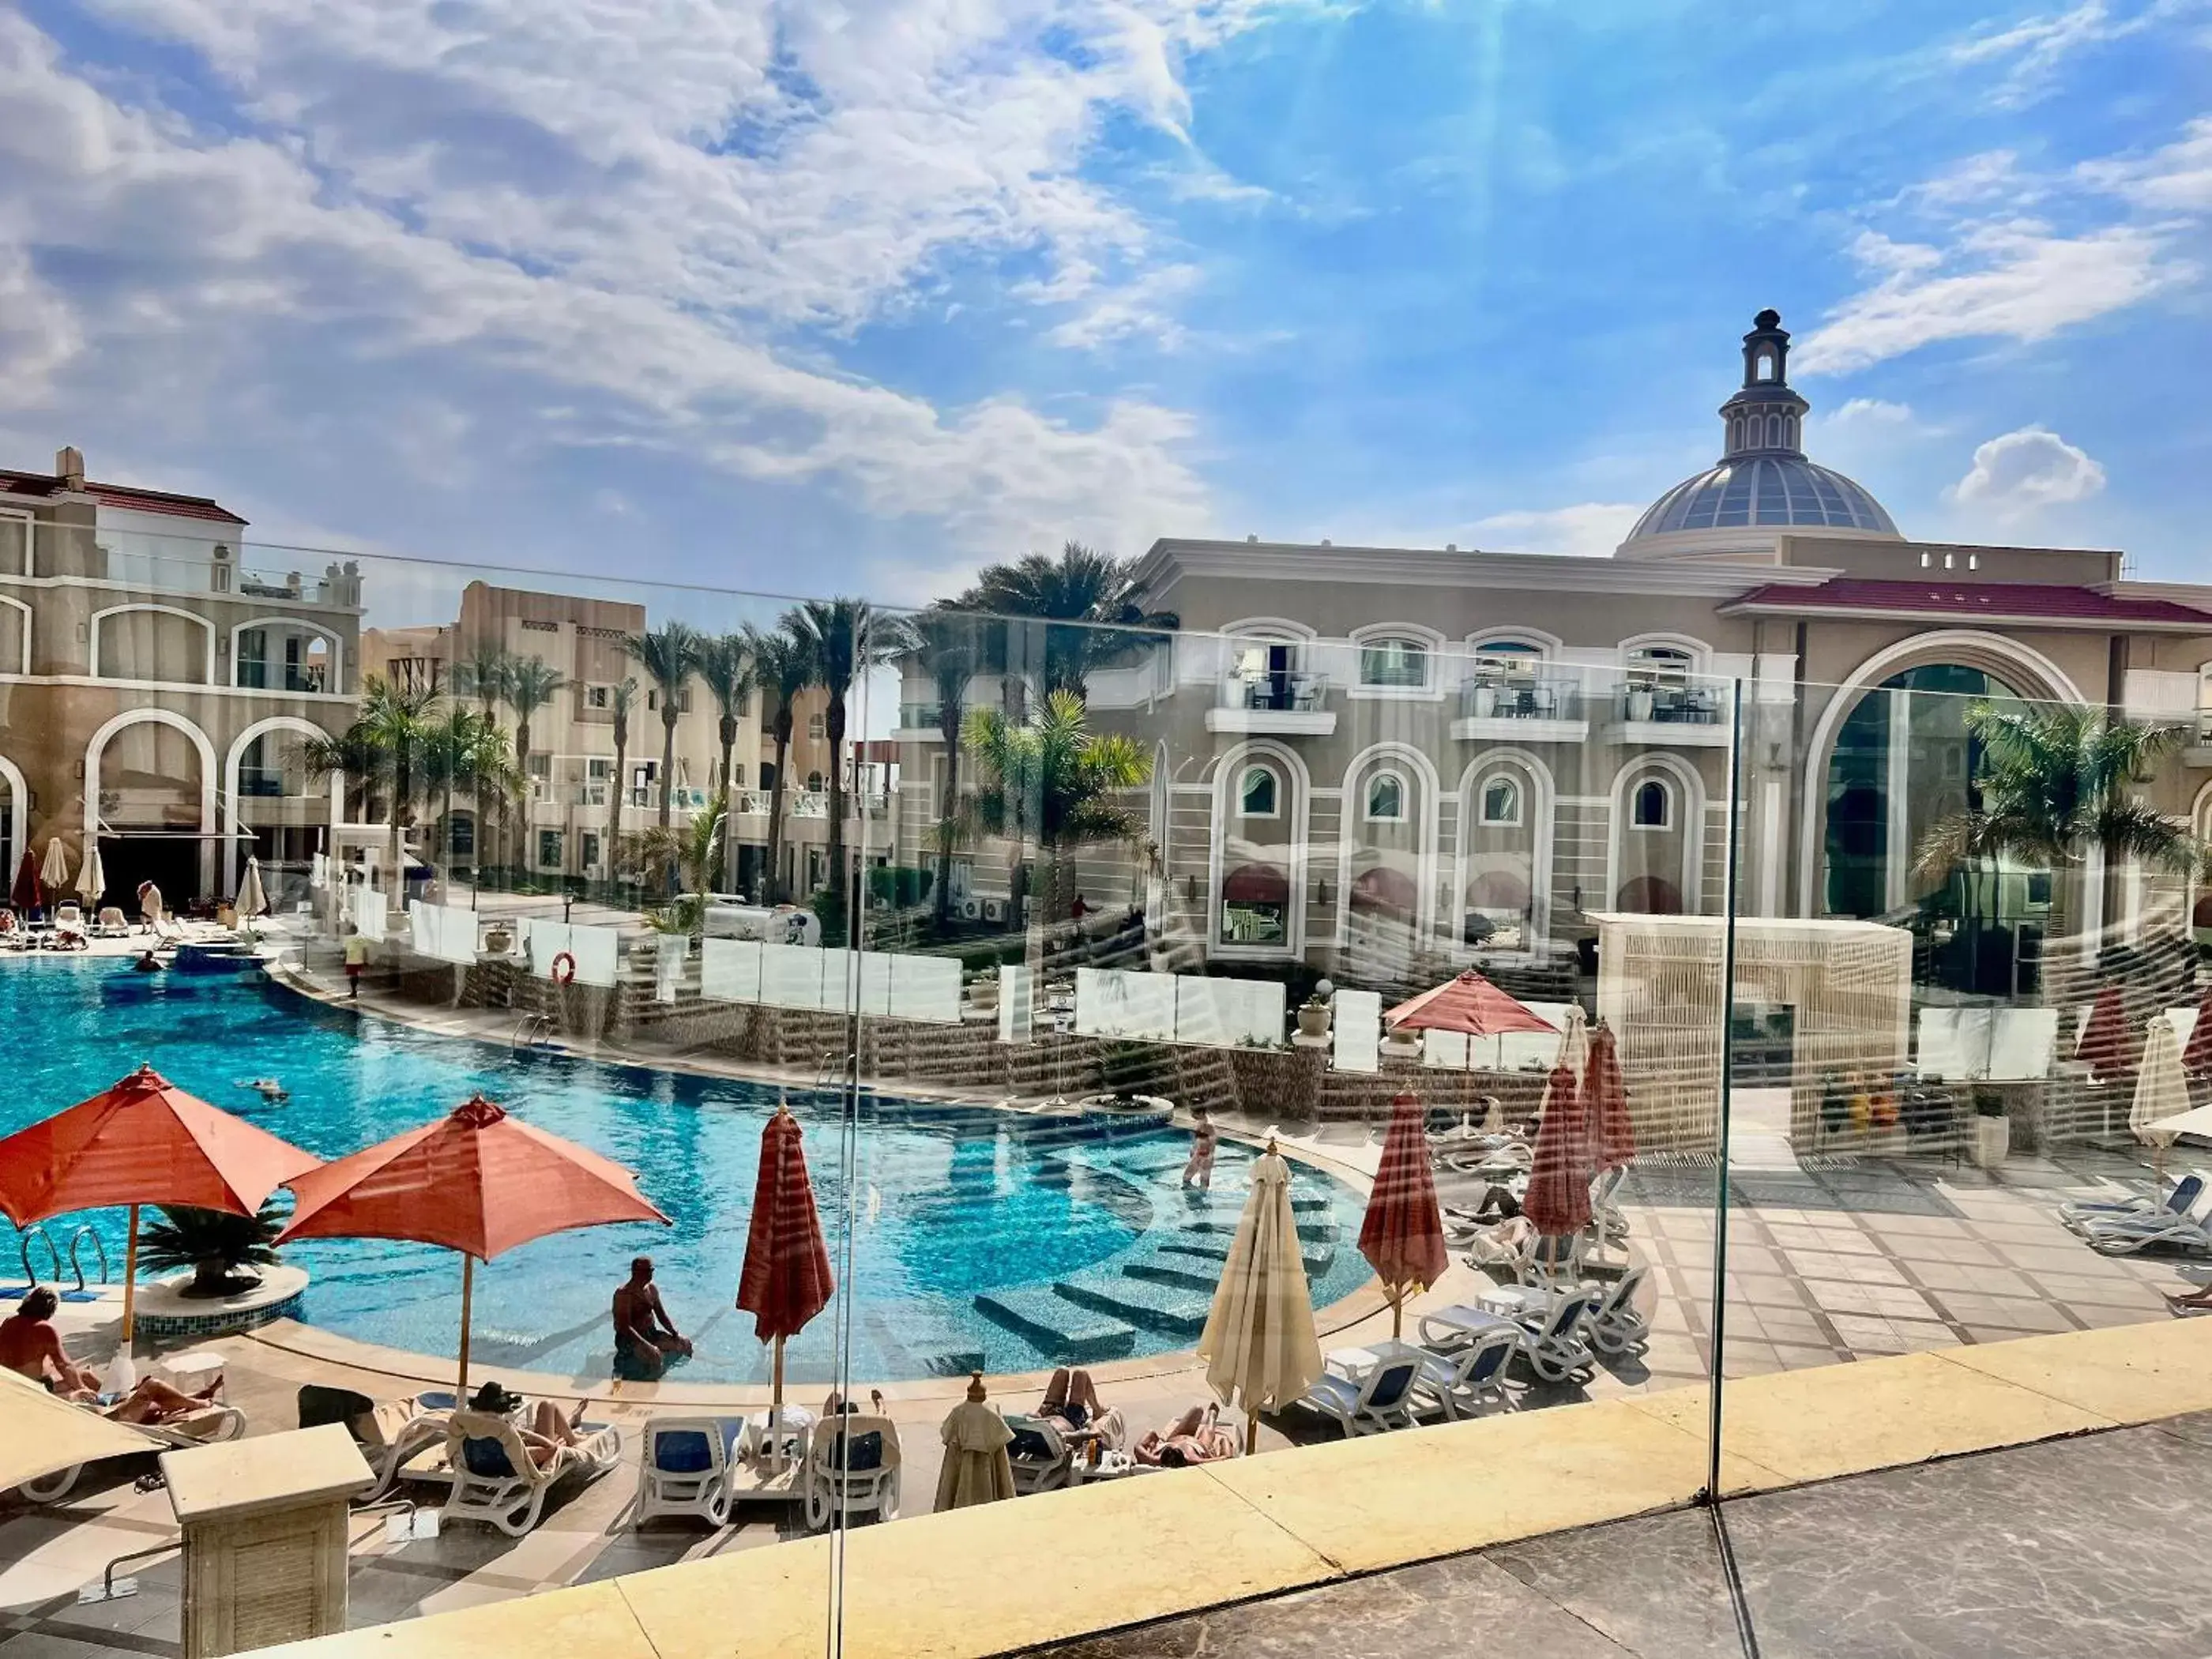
(861, 294)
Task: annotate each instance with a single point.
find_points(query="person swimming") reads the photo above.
(268, 1088)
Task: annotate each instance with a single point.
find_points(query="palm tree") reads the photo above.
(668, 654)
(689, 854)
(448, 750)
(532, 683)
(845, 638)
(723, 668)
(482, 673)
(621, 701)
(2055, 786)
(1048, 781)
(350, 755)
(213, 1244)
(388, 747)
(1087, 601)
(781, 669)
(949, 645)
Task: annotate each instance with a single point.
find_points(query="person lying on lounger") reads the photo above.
(1196, 1436)
(1071, 1398)
(547, 1431)
(32, 1347)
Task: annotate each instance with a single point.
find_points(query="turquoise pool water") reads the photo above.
(978, 1237)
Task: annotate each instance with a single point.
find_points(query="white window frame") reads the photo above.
(30, 523)
(1668, 817)
(1244, 779)
(1427, 641)
(1393, 777)
(1482, 788)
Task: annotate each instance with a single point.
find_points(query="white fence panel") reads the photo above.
(1114, 1002)
(730, 969)
(791, 977)
(1016, 1009)
(670, 953)
(1358, 1031)
(926, 989)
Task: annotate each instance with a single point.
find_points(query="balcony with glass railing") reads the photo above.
(1669, 713)
(1521, 708)
(919, 722)
(1291, 704)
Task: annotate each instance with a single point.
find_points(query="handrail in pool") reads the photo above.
(23, 1238)
(99, 1247)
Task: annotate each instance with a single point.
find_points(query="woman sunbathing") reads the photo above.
(1072, 1398)
(548, 1433)
(1193, 1437)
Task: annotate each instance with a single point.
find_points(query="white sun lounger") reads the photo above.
(393, 1435)
(207, 1426)
(1551, 1325)
(2124, 1235)
(684, 1470)
(1043, 1459)
(852, 1463)
(1457, 1383)
(2179, 1202)
(1379, 1401)
(495, 1480)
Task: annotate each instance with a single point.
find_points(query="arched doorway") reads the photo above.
(1649, 895)
(149, 783)
(1905, 760)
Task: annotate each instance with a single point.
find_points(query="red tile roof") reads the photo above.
(39, 486)
(2021, 603)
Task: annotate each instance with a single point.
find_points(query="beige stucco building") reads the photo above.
(154, 693)
(574, 785)
(1377, 760)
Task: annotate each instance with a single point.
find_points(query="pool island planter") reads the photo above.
(165, 1312)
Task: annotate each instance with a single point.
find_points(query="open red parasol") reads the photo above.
(786, 1279)
(142, 1141)
(1469, 1003)
(477, 1181)
(1558, 1201)
(1402, 1236)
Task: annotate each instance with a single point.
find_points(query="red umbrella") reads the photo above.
(1469, 1004)
(1558, 1201)
(142, 1141)
(24, 894)
(786, 1279)
(477, 1181)
(2109, 1043)
(1403, 1234)
(1604, 1094)
(2196, 1058)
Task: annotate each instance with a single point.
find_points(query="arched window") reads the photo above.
(1652, 806)
(1790, 431)
(1773, 431)
(1501, 802)
(1394, 662)
(1762, 365)
(1386, 798)
(1259, 792)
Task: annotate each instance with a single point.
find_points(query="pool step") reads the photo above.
(1318, 1232)
(1318, 1258)
(925, 1343)
(1066, 1330)
(1155, 1307)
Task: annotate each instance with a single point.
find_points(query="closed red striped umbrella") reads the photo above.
(2196, 1058)
(1605, 1102)
(24, 894)
(2109, 1044)
(786, 1280)
(1558, 1201)
(1402, 1236)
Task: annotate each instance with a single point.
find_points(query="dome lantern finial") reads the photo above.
(1765, 416)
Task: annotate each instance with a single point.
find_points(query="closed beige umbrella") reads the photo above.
(1574, 1040)
(977, 1469)
(252, 901)
(42, 1435)
(55, 874)
(1258, 1345)
(92, 880)
(2161, 1090)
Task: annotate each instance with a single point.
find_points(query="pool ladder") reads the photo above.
(535, 1032)
(831, 1073)
(26, 1238)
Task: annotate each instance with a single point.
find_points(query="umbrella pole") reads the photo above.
(131, 1281)
(1397, 1315)
(468, 1287)
(1251, 1430)
(775, 1408)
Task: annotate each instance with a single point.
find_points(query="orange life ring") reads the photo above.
(563, 970)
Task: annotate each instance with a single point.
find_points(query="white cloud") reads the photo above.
(1870, 412)
(1588, 529)
(2019, 473)
(2176, 179)
(2014, 279)
(666, 214)
(2030, 52)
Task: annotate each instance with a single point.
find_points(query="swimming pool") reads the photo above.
(980, 1237)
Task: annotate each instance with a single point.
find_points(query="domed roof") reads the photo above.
(1778, 489)
(1762, 480)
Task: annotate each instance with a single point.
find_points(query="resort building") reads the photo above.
(154, 692)
(575, 778)
(1377, 758)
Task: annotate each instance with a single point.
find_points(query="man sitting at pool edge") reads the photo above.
(645, 1336)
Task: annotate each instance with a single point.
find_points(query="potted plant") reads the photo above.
(221, 1249)
(1639, 702)
(1992, 1129)
(498, 939)
(1484, 700)
(1313, 1017)
(983, 990)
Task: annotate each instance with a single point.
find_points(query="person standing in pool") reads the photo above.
(645, 1336)
(1203, 1139)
